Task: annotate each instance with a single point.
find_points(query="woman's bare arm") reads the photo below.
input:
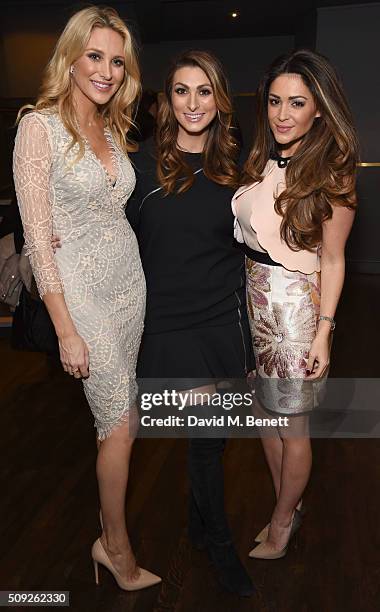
(334, 237)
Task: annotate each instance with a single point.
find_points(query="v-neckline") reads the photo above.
(112, 180)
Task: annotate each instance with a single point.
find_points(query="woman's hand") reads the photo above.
(55, 243)
(251, 380)
(74, 355)
(73, 350)
(319, 356)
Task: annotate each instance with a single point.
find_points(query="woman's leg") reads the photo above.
(207, 515)
(207, 485)
(274, 293)
(205, 464)
(273, 447)
(112, 469)
(295, 473)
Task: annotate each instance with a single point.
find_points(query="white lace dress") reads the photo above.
(98, 268)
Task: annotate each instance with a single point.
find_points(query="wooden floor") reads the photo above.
(49, 500)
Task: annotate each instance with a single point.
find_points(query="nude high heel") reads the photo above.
(263, 535)
(145, 579)
(262, 551)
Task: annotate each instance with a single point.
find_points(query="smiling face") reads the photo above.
(291, 111)
(193, 102)
(98, 73)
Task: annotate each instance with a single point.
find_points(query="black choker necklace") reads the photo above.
(282, 162)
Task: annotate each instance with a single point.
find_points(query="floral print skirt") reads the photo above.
(283, 308)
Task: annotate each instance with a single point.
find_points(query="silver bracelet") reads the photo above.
(332, 322)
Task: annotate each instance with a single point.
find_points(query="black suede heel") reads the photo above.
(208, 526)
(231, 573)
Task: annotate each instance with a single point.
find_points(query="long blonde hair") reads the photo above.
(56, 89)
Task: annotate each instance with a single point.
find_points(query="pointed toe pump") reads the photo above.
(146, 579)
(264, 551)
(263, 535)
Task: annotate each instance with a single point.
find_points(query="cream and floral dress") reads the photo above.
(98, 268)
(283, 300)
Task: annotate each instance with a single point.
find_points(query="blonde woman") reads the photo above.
(72, 174)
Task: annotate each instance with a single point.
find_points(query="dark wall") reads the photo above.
(349, 36)
(244, 59)
(306, 33)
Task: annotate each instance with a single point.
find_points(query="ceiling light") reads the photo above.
(234, 14)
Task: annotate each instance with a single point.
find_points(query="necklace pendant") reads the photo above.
(282, 162)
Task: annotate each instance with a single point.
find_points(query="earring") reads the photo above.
(218, 113)
(71, 69)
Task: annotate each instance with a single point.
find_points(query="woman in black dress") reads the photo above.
(196, 330)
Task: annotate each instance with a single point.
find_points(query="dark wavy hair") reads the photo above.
(322, 172)
(221, 150)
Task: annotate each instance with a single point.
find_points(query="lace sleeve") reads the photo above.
(31, 169)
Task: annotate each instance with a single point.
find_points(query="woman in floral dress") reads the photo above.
(294, 213)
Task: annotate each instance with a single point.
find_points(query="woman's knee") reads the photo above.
(297, 446)
(123, 433)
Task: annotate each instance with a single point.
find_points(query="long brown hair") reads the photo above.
(56, 89)
(322, 171)
(220, 152)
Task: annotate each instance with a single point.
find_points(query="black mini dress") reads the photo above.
(196, 327)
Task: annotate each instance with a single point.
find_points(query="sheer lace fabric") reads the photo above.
(32, 163)
(98, 267)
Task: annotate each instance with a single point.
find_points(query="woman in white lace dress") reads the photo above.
(73, 176)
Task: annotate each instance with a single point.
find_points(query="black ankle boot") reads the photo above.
(231, 573)
(207, 519)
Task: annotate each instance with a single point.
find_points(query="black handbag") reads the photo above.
(10, 280)
(32, 328)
